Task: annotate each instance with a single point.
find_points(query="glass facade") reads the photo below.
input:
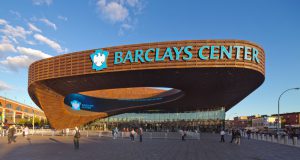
(211, 119)
(162, 117)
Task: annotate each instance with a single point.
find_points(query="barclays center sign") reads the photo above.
(184, 53)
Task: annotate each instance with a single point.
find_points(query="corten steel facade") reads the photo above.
(197, 84)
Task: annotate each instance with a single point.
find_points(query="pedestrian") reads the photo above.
(113, 133)
(222, 133)
(238, 137)
(67, 131)
(26, 131)
(132, 133)
(232, 135)
(248, 133)
(116, 132)
(76, 138)
(140, 132)
(11, 134)
(183, 135)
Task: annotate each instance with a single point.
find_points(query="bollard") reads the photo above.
(87, 133)
(273, 138)
(295, 139)
(286, 138)
(278, 139)
(260, 136)
(263, 137)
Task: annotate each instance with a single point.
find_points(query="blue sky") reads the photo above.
(36, 29)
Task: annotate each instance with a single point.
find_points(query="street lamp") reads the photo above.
(278, 117)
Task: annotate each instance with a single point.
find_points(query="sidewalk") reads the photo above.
(207, 148)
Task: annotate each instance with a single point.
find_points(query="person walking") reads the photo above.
(140, 132)
(76, 138)
(248, 133)
(132, 133)
(67, 131)
(232, 135)
(26, 131)
(222, 133)
(115, 133)
(11, 134)
(238, 137)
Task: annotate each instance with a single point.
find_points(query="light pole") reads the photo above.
(278, 117)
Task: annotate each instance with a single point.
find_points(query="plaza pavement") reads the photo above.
(104, 148)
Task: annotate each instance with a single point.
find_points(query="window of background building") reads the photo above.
(8, 105)
(18, 108)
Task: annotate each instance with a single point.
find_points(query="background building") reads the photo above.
(290, 119)
(15, 112)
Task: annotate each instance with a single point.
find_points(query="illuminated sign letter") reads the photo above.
(213, 51)
(255, 55)
(118, 58)
(168, 53)
(128, 57)
(157, 55)
(138, 56)
(177, 52)
(186, 51)
(238, 51)
(200, 53)
(246, 53)
(147, 54)
(226, 52)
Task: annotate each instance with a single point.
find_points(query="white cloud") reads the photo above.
(42, 2)
(133, 3)
(15, 32)
(3, 22)
(5, 39)
(122, 12)
(48, 23)
(49, 42)
(4, 86)
(7, 47)
(33, 52)
(16, 62)
(113, 11)
(62, 18)
(33, 27)
(124, 27)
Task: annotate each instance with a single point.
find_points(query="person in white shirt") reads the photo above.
(222, 133)
(26, 131)
(132, 134)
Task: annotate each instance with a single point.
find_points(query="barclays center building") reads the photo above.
(162, 85)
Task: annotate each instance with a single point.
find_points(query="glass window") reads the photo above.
(8, 105)
(18, 108)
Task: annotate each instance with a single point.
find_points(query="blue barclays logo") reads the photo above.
(75, 105)
(99, 58)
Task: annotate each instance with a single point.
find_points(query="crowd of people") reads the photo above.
(235, 136)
